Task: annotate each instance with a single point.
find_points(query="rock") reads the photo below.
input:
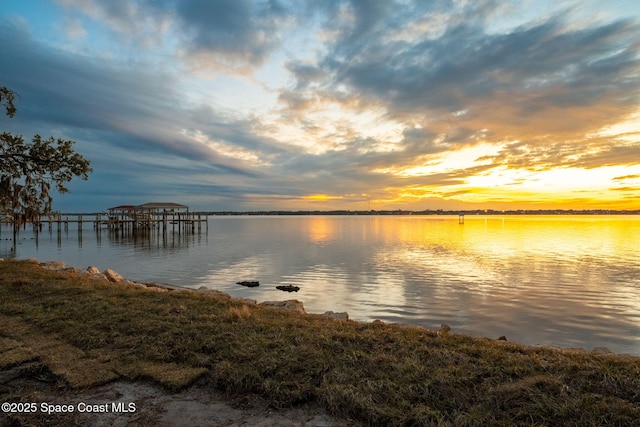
(249, 283)
(291, 305)
(288, 288)
(336, 316)
(502, 338)
(54, 265)
(93, 270)
(112, 276)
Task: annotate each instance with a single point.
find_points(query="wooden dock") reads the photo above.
(176, 222)
(160, 217)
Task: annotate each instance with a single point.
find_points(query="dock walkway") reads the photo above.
(147, 217)
(175, 221)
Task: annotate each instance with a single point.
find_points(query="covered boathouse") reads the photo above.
(153, 215)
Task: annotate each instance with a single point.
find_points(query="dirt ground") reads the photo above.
(123, 403)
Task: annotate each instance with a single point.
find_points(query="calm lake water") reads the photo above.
(563, 280)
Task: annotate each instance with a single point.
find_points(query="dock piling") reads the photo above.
(151, 217)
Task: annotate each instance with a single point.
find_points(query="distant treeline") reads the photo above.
(436, 212)
(406, 212)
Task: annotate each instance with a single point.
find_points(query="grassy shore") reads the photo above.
(88, 332)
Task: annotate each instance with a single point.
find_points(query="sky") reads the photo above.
(341, 104)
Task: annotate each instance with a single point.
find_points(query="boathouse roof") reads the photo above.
(150, 206)
(162, 205)
(122, 208)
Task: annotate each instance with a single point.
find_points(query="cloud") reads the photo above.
(125, 119)
(626, 189)
(138, 23)
(231, 35)
(541, 91)
(625, 177)
(383, 97)
(532, 72)
(74, 29)
(231, 32)
(610, 155)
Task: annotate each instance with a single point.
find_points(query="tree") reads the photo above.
(6, 97)
(29, 170)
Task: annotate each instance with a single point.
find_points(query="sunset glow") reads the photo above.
(252, 105)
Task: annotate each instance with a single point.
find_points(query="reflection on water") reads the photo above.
(564, 280)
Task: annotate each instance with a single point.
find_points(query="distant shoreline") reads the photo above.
(399, 212)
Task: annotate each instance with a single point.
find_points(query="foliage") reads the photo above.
(29, 170)
(6, 98)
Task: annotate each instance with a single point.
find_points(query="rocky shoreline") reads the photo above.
(292, 305)
(113, 276)
(349, 357)
(194, 406)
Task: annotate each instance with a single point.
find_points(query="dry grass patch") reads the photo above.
(16, 356)
(240, 312)
(170, 375)
(378, 374)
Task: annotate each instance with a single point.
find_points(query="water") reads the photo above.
(571, 281)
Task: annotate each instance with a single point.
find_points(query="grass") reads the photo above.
(88, 332)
